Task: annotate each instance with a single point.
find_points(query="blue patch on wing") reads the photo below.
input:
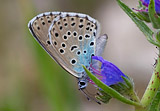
(85, 57)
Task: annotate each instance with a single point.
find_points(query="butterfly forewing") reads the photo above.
(39, 26)
(73, 36)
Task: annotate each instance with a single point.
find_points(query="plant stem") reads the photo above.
(152, 87)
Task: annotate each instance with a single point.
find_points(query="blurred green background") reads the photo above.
(31, 81)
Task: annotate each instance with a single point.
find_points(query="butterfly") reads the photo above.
(71, 39)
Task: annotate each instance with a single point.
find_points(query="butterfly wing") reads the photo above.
(100, 44)
(79, 46)
(73, 35)
(39, 26)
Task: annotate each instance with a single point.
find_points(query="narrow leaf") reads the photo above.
(140, 24)
(158, 36)
(155, 19)
(142, 16)
(128, 82)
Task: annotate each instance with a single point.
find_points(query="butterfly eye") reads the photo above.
(82, 83)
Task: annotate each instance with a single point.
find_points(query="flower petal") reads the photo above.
(110, 73)
(157, 5)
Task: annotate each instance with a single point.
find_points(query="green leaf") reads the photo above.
(155, 19)
(158, 36)
(143, 16)
(128, 81)
(113, 93)
(140, 24)
(140, 4)
(140, 14)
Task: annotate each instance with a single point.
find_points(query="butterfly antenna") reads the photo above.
(88, 97)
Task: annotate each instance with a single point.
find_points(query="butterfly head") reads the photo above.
(83, 82)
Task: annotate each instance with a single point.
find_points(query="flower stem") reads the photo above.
(153, 86)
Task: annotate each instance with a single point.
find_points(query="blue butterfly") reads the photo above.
(71, 39)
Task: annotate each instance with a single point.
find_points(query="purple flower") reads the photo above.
(109, 73)
(157, 5)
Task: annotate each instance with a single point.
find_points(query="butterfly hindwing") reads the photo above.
(77, 32)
